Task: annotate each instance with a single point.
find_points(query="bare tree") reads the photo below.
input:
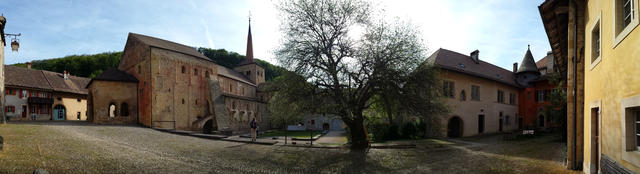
(322, 44)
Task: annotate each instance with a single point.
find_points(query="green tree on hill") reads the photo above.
(92, 65)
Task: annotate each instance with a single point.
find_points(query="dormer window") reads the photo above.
(247, 72)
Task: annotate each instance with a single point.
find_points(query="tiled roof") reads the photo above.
(165, 44)
(224, 71)
(44, 80)
(450, 60)
(72, 85)
(115, 75)
(23, 77)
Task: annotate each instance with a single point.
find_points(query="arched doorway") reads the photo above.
(207, 128)
(454, 128)
(59, 112)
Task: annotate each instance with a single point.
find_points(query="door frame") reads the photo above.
(595, 140)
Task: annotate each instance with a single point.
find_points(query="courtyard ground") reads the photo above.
(79, 147)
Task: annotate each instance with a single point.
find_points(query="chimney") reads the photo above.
(474, 56)
(515, 67)
(28, 65)
(66, 76)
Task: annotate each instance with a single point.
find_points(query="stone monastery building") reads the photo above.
(163, 84)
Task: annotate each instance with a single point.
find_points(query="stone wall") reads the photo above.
(178, 89)
(104, 93)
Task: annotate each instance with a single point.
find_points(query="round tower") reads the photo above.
(528, 70)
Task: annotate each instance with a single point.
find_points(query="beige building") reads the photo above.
(482, 96)
(176, 87)
(44, 95)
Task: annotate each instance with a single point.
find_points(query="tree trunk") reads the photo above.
(359, 139)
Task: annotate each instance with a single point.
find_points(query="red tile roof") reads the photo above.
(44, 80)
(454, 61)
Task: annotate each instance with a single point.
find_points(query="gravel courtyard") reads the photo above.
(79, 147)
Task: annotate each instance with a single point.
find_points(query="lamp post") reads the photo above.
(14, 47)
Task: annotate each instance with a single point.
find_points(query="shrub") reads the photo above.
(409, 130)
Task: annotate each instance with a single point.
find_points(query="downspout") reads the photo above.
(575, 83)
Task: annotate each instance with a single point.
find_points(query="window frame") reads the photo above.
(630, 107)
(596, 58)
(475, 89)
(620, 32)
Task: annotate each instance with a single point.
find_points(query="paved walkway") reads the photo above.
(333, 137)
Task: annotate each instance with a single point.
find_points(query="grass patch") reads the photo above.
(296, 134)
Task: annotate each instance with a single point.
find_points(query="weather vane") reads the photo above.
(249, 16)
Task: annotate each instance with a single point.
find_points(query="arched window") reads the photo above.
(125, 109)
(112, 110)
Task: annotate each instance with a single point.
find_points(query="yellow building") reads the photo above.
(605, 76)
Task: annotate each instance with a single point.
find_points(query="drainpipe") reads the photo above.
(575, 83)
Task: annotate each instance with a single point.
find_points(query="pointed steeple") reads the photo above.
(528, 64)
(249, 44)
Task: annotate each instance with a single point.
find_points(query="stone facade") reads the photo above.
(119, 95)
(179, 88)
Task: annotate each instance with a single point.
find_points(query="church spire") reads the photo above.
(249, 43)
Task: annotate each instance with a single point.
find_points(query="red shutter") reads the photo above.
(20, 93)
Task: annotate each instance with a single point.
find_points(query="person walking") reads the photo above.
(254, 129)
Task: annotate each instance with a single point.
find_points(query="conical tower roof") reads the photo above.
(528, 64)
(249, 54)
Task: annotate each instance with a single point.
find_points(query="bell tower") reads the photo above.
(248, 67)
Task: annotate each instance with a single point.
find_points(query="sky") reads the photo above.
(499, 29)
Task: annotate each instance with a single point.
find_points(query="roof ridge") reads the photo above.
(47, 79)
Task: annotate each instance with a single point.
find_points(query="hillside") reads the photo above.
(92, 65)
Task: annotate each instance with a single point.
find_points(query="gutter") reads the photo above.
(575, 83)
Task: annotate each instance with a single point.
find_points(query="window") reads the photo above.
(182, 101)
(183, 70)
(540, 95)
(242, 91)
(230, 88)
(630, 127)
(10, 109)
(500, 96)
(139, 69)
(125, 109)
(195, 71)
(33, 109)
(206, 74)
(507, 120)
(233, 105)
(78, 115)
(448, 89)
(463, 96)
(112, 110)
(79, 100)
(247, 72)
(595, 42)
(512, 98)
(475, 92)
(627, 12)
(33, 94)
(637, 129)
(196, 101)
(24, 93)
(625, 19)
